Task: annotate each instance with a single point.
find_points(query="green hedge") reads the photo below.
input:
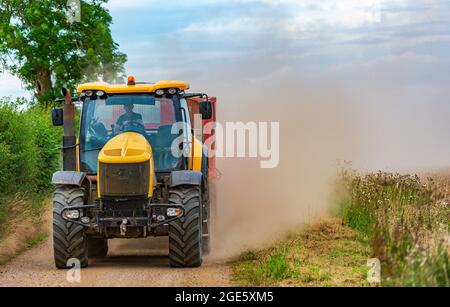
(28, 149)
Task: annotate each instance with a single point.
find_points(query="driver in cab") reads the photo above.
(128, 118)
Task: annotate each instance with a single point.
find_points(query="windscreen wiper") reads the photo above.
(93, 149)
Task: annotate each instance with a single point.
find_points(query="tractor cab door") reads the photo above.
(194, 108)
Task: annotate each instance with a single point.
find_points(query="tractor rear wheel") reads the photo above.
(97, 247)
(69, 239)
(185, 233)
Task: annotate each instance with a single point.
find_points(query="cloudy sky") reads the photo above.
(393, 54)
(341, 39)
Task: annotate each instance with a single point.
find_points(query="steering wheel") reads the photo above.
(133, 126)
(98, 132)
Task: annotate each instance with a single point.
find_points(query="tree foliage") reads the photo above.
(45, 50)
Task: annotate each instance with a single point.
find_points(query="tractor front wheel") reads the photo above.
(185, 234)
(69, 239)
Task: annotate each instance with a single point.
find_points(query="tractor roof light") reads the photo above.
(172, 91)
(131, 80)
(100, 93)
(159, 92)
(89, 93)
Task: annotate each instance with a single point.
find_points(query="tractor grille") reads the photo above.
(124, 179)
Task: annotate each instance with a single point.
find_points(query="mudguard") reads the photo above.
(205, 161)
(68, 178)
(185, 177)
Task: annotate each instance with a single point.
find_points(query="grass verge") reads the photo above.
(25, 221)
(406, 221)
(402, 220)
(326, 254)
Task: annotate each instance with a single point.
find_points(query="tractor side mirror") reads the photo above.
(57, 117)
(206, 109)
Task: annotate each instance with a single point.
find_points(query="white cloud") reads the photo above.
(123, 4)
(120, 4)
(11, 86)
(344, 13)
(300, 16)
(239, 24)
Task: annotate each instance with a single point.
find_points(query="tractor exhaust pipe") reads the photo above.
(69, 139)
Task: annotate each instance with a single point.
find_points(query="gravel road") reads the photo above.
(140, 262)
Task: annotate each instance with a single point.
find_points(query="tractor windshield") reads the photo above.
(148, 115)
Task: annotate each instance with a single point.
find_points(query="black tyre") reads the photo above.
(69, 239)
(185, 234)
(97, 247)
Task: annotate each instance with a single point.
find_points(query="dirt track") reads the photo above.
(129, 263)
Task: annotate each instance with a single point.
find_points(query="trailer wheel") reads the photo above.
(97, 247)
(185, 234)
(69, 239)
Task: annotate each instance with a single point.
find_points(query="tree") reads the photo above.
(45, 50)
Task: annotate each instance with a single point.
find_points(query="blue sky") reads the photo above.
(312, 37)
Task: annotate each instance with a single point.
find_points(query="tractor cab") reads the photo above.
(158, 111)
(137, 168)
(152, 116)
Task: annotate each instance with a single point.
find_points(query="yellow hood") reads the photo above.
(128, 147)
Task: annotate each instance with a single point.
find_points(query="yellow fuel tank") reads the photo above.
(126, 167)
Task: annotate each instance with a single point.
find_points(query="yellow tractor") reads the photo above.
(135, 170)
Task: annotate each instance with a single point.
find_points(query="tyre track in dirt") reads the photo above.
(141, 262)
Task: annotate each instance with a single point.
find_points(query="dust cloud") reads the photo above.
(321, 126)
(256, 206)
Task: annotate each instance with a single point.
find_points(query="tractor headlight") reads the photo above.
(72, 214)
(172, 212)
